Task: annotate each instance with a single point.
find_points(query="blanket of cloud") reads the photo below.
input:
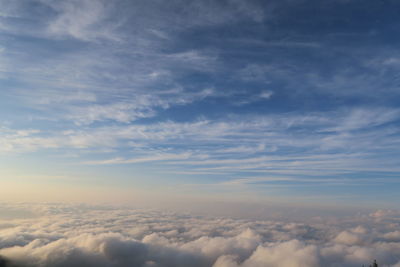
(79, 235)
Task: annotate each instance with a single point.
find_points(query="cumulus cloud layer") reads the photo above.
(65, 235)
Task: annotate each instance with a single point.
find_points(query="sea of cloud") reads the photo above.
(80, 235)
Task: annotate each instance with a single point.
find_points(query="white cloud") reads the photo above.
(266, 94)
(120, 112)
(85, 20)
(362, 118)
(261, 138)
(66, 235)
(277, 255)
(348, 238)
(246, 149)
(156, 157)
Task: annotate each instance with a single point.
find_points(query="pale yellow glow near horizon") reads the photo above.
(39, 192)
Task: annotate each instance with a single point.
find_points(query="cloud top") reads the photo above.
(66, 235)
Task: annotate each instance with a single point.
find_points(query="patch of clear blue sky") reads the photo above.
(300, 95)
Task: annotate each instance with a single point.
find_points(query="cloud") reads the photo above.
(277, 255)
(68, 235)
(359, 119)
(160, 157)
(120, 112)
(318, 145)
(246, 149)
(348, 238)
(84, 20)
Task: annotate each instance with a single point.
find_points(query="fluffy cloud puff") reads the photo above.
(66, 235)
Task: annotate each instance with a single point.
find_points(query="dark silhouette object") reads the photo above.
(374, 264)
(6, 263)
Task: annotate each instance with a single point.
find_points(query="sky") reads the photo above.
(289, 101)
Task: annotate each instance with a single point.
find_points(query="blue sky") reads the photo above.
(283, 100)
